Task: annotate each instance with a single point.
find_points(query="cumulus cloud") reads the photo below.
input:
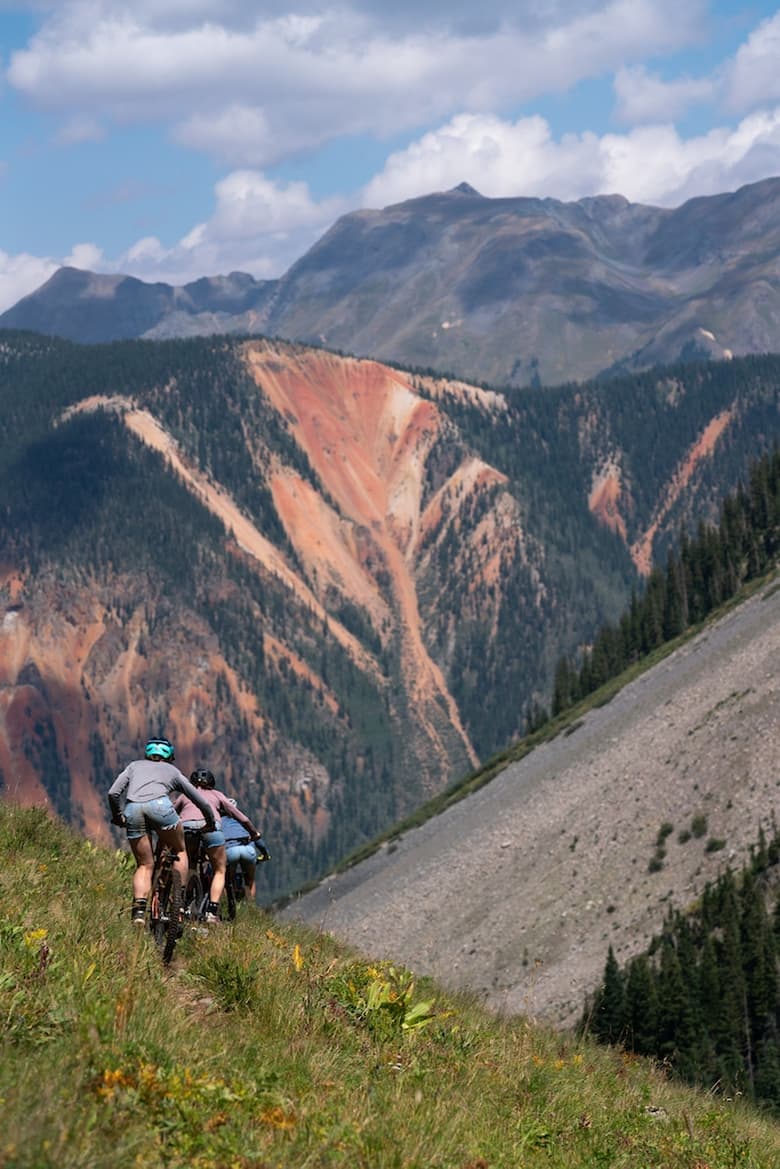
(22, 274)
(239, 135)
(753, 78)
(650, 164)
(87, 256)
(644, 97)
(255, 91)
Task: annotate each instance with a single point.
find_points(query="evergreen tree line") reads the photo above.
(699, 575)
(705, 997)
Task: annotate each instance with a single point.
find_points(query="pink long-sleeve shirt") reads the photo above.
(188, 810)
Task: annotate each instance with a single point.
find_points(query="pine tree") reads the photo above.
(608, 1021)
(641, 1007)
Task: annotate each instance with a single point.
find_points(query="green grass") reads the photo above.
(270, 1046)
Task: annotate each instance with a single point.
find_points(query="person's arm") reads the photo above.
(233, 810)
(192, 793)
(115, 793)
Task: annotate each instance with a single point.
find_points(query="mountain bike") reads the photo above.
(196, 895)
(165, 902)
(234, 889)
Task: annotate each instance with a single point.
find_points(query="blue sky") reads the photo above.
(177, 138)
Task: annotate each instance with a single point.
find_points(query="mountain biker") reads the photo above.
(242, 850)
(145, 787)
(196, 827)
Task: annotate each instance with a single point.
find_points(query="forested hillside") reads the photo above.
(699, 575)
(338, 583)
(705, 996)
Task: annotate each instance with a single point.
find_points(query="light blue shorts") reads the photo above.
(245, 853)
(149, 817)
(210, 839)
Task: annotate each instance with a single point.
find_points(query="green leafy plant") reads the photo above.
(380, 997)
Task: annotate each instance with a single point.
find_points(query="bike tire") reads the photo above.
(156, 898)
(230, 897)
(173, 923)
(193, 898)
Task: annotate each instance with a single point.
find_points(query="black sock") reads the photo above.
(213, 908)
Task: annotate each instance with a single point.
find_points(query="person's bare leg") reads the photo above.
(218, 858)
(174, 839)
(248, 870)
(144, 860)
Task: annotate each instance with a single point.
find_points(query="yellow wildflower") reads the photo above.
(32, 938)
(278, 1118)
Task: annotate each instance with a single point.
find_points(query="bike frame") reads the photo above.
(165, 901)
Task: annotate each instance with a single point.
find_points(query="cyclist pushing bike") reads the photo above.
(140, 802)
(197, 828)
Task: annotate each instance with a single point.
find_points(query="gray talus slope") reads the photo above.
(517, 891)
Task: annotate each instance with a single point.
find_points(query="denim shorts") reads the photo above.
(210, 839)
(245, 853)
(149, 817)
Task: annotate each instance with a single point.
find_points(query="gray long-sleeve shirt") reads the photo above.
(148, 779)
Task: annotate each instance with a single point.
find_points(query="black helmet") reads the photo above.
(202, 777)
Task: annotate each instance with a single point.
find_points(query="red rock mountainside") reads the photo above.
(77, 676)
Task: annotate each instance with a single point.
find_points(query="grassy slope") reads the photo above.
(266, 1046)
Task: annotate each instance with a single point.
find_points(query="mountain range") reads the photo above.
(507, 291)
(340, 584)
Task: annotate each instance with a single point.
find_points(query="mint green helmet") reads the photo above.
(160, 749)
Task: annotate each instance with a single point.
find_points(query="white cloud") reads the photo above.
(239, 135)
(20, 275)
(650, 164)
(753, 77)
(87, 256)
(249, 204)
(258, 226)
(254, 92)
(644, 97)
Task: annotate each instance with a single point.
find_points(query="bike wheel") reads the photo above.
(193, 898)
(159, 883)
(173, 910)
(230, 897)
